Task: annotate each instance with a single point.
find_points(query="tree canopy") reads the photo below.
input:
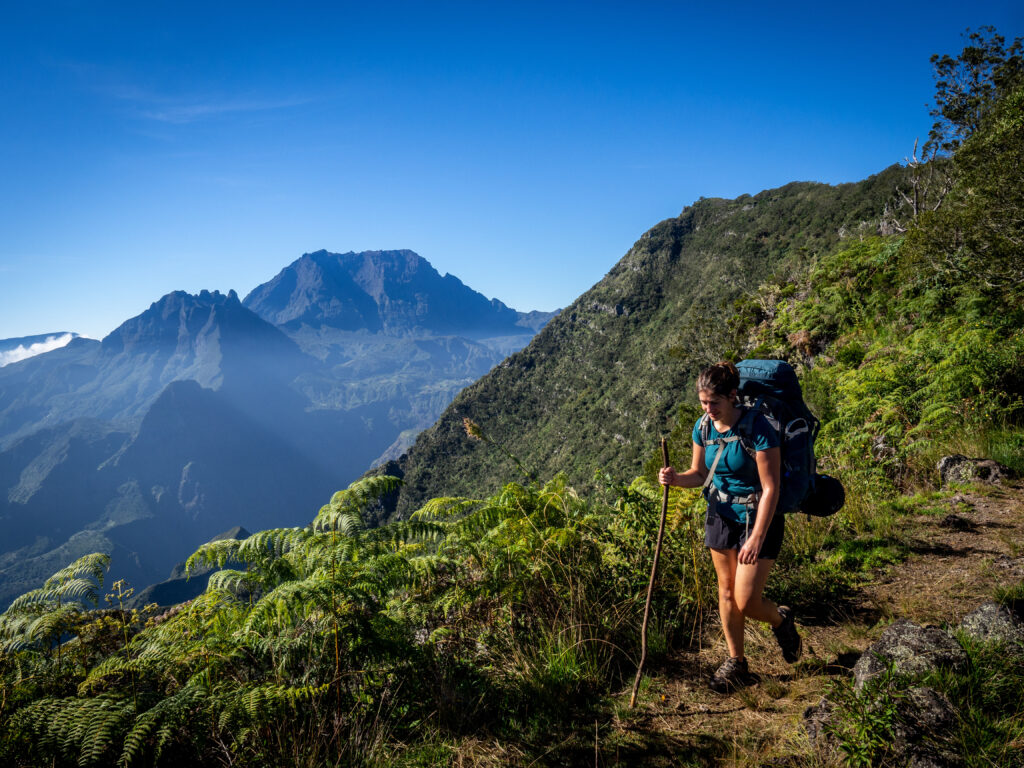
(969, 85)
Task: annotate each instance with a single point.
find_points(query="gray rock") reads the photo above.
(912, 650)
(816, 720)
(923, 736)
(881, 449)
(993, 622)
(922, 726)
(924, 712)
(960, 469)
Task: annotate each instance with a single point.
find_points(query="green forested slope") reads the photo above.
(598, 385)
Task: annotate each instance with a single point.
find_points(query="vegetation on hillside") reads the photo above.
(597, 385)
(339, 644)
(512, 617)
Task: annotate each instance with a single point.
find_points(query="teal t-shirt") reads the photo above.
(736, 474)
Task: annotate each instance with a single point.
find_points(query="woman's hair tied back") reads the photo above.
(721, 379)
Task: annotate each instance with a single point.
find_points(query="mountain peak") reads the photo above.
(178, 299)
(395, 292)
(179, 319)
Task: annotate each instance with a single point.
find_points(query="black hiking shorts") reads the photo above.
(722, 533)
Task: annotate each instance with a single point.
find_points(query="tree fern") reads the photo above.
(86, 567)
(154, 727)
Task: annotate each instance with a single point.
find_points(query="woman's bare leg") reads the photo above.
(726, 561)
(748, 584)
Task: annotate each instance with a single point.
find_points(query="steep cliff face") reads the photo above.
(597, 386)
(180, 424)
(209, 338)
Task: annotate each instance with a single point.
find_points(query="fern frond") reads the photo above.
(259, 704)
(367, 490)
(14, 628)
(285, 601)
(83, 590)
(381, 575)
(403, 531)
(33, 597)
(343, 520)
(111, 666)
(86, 567)
(429, 567)
(214, 554)
(485, 519)
(50, 625)
(169, 714)
(445, 507)
(110, 717)
(78, 582)
(78, 729)
(344, 513)
(235, 582)
(271, 544)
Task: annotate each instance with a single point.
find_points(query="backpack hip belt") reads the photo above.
(750, 500)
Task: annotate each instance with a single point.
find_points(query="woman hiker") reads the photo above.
(741, 529)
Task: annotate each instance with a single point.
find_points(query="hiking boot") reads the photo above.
(786, 634)
(731, 675)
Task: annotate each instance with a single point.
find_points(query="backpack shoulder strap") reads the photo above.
(721, 442)
(705, 429)
(745, 427)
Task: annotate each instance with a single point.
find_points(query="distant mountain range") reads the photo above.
(205, 412)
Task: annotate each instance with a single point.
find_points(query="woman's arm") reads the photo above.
(691, 478)
(769, 469)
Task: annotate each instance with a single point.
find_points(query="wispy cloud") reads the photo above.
(178, 109)
(22, 352)
(190, 112)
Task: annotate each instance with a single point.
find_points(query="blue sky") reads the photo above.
(524, 147)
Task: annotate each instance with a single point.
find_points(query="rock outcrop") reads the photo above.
(993, 622)
(961, 469)
(910, 650)
(917, 722)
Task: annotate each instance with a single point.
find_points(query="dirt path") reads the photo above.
(960, 554)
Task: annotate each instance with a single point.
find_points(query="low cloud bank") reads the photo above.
(21, 352)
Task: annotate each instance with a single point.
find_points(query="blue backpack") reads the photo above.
(770, 387)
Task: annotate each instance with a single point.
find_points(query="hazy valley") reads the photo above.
(207, 412)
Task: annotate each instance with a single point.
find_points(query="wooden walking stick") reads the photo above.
(650, 586)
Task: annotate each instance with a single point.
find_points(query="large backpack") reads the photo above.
(771, 387)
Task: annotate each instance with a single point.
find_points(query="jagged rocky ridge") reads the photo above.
(393, 292)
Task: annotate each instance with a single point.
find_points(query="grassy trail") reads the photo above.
(967, 546)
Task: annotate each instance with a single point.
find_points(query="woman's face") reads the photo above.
(716, 406)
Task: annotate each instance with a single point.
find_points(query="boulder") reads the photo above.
(922, 725)
(993, 622)
(960, 469)
(912, 650)
(925, 723)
